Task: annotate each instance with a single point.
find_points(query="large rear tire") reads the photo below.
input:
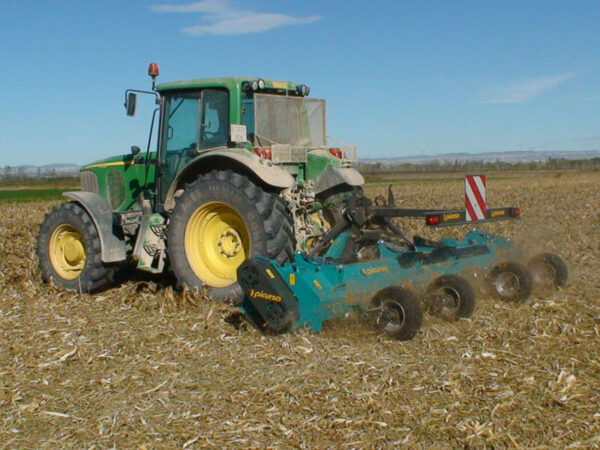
(220, 220)
(335, 199)
(69, 252)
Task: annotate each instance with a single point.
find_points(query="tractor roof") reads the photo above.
(231, 83)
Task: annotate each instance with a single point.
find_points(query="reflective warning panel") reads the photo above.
(475, 197)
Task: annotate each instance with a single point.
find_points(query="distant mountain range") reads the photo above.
(59, 170)
(511, 157)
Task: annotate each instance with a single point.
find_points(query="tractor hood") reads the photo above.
(120, 160)
(119, 180)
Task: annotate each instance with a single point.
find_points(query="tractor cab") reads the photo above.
(268, 120)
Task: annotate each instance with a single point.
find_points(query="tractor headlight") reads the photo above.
(257, 84)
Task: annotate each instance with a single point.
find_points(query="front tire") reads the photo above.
(451, 297)
(69, 252)
(509, 281)
(548, 270)
(396, 313)
(220, 220)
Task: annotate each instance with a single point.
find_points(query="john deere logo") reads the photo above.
(265, 295)
(498, 213)
(372, 270)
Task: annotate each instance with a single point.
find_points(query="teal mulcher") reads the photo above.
(367, 264)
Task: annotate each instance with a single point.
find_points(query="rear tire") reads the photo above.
(69, 251)
(451, 297)
(397, 313)
(220, 220)
(548, 270)
(509, 281)
(335, 199)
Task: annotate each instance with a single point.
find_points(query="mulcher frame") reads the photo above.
(331, 281)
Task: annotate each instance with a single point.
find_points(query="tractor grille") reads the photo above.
(287, 154)
(89, 181)
(116, 189)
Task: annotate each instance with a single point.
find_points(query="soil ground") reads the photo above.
(141, 365)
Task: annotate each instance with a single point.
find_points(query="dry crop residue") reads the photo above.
(141, 365)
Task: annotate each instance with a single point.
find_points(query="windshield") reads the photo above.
(295, 121)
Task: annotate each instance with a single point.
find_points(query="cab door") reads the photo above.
(194, 122)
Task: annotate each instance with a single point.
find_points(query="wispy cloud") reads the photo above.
(222, 18)
(524, 90)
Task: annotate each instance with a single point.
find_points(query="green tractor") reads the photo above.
(242, 168)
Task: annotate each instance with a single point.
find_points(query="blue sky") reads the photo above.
(401, 78)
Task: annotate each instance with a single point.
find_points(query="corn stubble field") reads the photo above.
(144, 366)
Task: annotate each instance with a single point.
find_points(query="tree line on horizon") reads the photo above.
(480, 165)
(16, 174)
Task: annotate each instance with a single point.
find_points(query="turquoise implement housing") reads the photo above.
(321, 288)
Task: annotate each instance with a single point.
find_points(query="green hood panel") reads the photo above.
(121, 180)
(113, 161)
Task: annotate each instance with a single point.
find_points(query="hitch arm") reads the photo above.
(339, 227)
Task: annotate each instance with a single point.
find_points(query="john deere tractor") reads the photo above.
(241, 168)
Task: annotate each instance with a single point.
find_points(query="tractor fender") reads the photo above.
(266, 171)
(111, 246)
(334, 176)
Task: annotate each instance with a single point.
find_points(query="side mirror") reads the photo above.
(130, 103)
(135, 150)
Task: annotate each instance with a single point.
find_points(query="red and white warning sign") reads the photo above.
(475, 197)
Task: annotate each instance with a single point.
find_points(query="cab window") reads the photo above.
(194, 121)
(182, 132)
(248, 114)
(214, 129)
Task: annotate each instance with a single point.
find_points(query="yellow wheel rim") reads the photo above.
(67, 251)
(216, 242)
